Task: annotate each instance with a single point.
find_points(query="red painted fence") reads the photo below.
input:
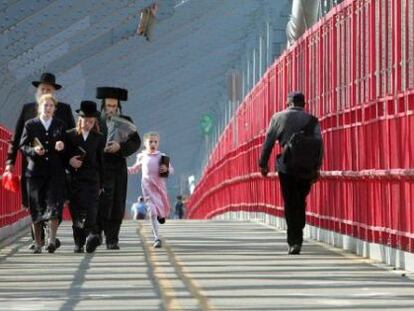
(10, 204)
(356, 67)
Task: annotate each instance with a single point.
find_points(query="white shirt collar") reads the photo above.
(46, 123)
(85, 135)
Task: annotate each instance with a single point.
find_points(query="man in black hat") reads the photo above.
(113, 199)
(299, 134)
(85, 146)
(46, 85)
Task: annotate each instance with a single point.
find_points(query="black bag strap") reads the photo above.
(310, 126)
(307, 129)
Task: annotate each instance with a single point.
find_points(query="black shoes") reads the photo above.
(78, 249)
(157, 244)
(37, 249)
(92, 242)
(51, 247)
(294, 249)
(33, 245)
(161, 220)
(57, 243)
(113, 246)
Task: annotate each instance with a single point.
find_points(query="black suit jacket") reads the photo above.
(52, 163)
(92, 166)
(29, 111)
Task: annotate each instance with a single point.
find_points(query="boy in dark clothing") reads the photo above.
(85, 153)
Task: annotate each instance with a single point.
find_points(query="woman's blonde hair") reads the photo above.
(45, 97)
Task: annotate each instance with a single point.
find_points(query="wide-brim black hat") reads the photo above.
(47, 78)
(111, 92)
(88, 109)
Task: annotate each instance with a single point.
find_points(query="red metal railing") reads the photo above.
(356, 67)
(10, 202)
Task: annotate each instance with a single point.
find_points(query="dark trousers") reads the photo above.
(84, 209)
(112, 203)
(111, 228)
(180, 213)
(23, 190)
(294, 191)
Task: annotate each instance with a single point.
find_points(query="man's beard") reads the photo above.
(39, 94)
(37, 97)
(110, 115)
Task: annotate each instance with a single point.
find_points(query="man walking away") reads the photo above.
(299, 134)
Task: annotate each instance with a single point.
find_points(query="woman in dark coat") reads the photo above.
(85, 150)
(42, 143)
(45, 85)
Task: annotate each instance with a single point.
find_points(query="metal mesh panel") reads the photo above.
(368, 35)
(410, 45)
(388, 9)
(403, 46)
(377, 48)
(348, 59)
(359, 53)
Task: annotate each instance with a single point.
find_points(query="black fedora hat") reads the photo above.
(111, 92)
(47, 78)
(88, 109)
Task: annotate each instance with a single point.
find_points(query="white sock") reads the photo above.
(155, 226)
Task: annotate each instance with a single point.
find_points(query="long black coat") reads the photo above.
(112, 202)
(29, 111)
